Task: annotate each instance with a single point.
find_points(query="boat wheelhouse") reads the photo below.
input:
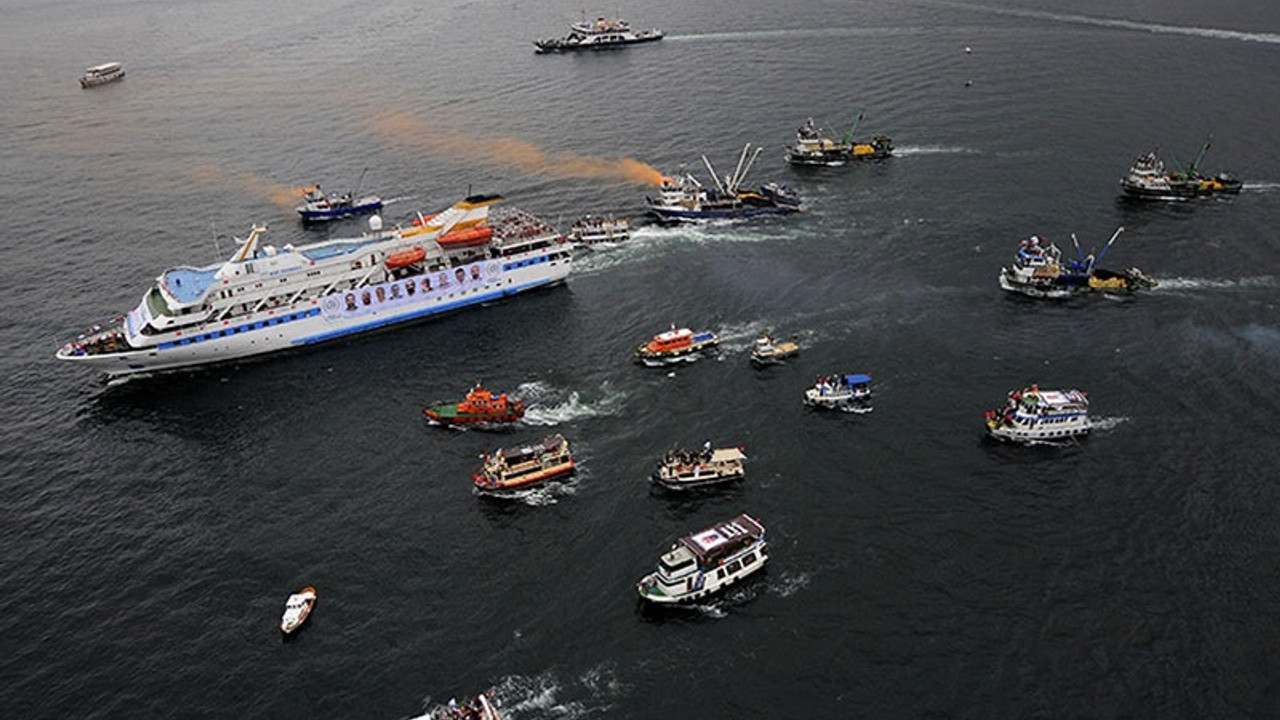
(812, 147)
(675, 345)
(480, 406)
(707, 562)
(1032, 415)
(595, 230)
(598, 34)
(1147, 179)
(767, 350)
(526, 466)
(317, 207)
(681, 469)
(1039, 271)
(297, 608)
(101, 74)
(264, 299)
(686, 199)
(849, 392)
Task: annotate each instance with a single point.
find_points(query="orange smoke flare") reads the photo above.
(408, 130)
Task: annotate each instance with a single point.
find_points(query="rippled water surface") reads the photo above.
(152, 529)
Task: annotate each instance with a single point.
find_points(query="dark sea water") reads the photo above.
(152, 529)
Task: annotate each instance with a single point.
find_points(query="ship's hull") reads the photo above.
(312, 216)
(96, 80)
(1177, 191)
(310, 322)
(674, 215)
(834, 159)
(1102, 281)
(559, 45)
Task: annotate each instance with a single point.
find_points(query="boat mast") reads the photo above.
(359, 183)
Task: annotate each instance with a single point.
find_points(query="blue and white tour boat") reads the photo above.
(264, 299)
(1032, 415)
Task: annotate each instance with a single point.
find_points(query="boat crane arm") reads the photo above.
(714, 179)
(848, 137)
(750, 162)
(1200, 156)
(737, 171)
(1107, 247)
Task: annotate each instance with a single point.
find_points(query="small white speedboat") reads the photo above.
(297, 608)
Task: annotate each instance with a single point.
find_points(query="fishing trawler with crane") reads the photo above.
(685, 199)
(1038, 271)
(318, 207)
(264, 299)
(1147, 179)
(813, 148)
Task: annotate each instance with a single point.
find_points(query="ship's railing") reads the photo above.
(101, 337)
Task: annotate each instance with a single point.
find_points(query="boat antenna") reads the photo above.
(848, 137)
(714, 178)
(213, 230)
(359, 182)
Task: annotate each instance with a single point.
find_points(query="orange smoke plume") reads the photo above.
(406, 129)
(206, 173)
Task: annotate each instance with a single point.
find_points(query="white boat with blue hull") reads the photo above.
(265, 299)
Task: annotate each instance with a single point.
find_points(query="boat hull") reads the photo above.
(678, 215)
(484, 483)
(690, 482)
(689, 353)
(559, 45)
(706, 584)
(317, 216)
(311, 322)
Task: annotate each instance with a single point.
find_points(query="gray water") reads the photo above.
(152, 529)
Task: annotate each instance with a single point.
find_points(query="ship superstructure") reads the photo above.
(263, 299)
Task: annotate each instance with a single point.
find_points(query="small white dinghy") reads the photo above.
(297, 608)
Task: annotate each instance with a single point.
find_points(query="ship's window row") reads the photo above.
(270, 322)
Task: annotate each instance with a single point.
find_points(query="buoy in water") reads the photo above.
(967, 49)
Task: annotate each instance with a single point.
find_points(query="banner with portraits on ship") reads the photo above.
(412, 290)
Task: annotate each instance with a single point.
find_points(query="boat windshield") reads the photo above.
(672, 565)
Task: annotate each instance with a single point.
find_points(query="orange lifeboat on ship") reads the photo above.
(422, 220)
(471, 237)
(405, 258)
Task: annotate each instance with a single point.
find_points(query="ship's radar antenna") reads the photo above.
(375, 223)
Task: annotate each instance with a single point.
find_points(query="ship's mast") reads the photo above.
(737, 180)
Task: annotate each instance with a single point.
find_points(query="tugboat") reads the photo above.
(598, 34)
(850, 393)
(682, 469)
(592, 230)
(318, 207)
(1038, 271)
(480, 406)
(297, 609)
(675, 345)
(768, 351)
(812, 148)
(1032, 415)
(523, 467)
(706, 562)
(102, 74)
(1148, 180)
(688, 201)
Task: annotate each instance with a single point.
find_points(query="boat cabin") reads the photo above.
(721, 540)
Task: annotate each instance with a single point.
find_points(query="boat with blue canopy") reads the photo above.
(850, 392)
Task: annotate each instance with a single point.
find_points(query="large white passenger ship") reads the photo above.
(265, 299)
